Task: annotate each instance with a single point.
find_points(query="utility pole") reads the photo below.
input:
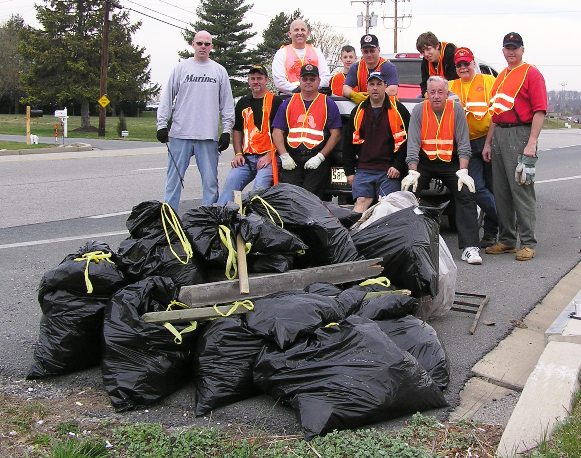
(104, 65)
(369, 20)
(397, 21)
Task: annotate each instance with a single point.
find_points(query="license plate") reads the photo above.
(338, 175)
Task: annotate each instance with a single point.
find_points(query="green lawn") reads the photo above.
(142, 128)
(19, 145)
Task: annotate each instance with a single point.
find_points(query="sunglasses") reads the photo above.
(463, 64)
(203, 43)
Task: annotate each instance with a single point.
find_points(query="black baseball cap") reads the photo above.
(257, 68)
(512, 39)
(377, 75)
(369, 40)
(309, 69)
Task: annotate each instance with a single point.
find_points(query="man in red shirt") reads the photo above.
(518, 108)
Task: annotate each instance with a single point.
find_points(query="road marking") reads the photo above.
(108, 215)
(575, 177)
(61, 239)
(151, 168)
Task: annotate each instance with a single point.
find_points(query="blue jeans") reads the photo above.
(374, 184)
(481, 173)
(239, 177)
(181, 151)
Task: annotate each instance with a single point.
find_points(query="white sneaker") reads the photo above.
(471, 255)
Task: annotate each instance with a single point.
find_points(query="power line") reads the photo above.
(176, 6)
(155, 18)
(157, 12)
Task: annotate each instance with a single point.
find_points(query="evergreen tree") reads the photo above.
(65, 57)
(12, 63)
(224, 20)
(275, 36)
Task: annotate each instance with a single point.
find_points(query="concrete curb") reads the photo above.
(524, 362)
(73, 147)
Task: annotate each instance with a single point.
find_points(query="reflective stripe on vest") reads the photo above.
(506, 88)
(396, 125)
(306, 126)
(258, 141)
(438, 136)
(363, 73)
(293, 63)
(475, 100)
(440, 72)
(337, 82)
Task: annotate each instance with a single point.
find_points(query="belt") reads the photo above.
(504, 125)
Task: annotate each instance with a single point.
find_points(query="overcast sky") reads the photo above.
(550, 30)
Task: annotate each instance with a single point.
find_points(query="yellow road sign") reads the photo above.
(103, 101)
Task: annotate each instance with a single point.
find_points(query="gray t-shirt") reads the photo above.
(461, 138)
(195, 96)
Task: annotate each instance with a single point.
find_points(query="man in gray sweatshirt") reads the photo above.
(196, 96)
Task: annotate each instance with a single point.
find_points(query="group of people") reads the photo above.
(476, 133)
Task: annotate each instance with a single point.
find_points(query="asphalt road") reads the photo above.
(52, 203)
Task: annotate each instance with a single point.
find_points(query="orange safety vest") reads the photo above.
(438, 136)
(259, 141)
(337, 82)
(440, 72)
(506, 88)
(395, 123)
(363, 73)
(475, 100)
(293, 63)
(306, 126)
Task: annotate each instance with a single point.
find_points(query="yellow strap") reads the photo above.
(331, 324)
(168, 216)
(268, 208)
(170, 327)
(96, 257)
(231, 264)
(246, 303)
(381, 281)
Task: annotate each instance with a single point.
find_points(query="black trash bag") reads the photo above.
(224, 357)
(270, 263)
(153, 250)
(388, 306)
(285, 316)
(324, 289)
(94, 260)
(421, 340)
(408, 243)
(268, 238)
(202, 224)
(141, 362)
(72, 298)
(303, 213)
(346, 376)
(346, 216)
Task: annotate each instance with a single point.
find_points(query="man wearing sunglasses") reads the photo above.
(473, 91)
(306, 128)
(195, 99)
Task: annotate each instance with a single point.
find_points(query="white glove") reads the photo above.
(465, 179)
(520, 175)
(411, 179)
(287, 161)
(315, 162)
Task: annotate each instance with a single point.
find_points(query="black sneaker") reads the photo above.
(487, 240)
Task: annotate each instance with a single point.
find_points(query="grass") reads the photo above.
(566, 439)
(142, 128)
(20, 145)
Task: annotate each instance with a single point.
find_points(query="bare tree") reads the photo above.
(324, 37)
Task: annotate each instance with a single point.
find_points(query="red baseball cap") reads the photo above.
(463, 55)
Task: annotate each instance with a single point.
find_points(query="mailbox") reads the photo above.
(36, 113)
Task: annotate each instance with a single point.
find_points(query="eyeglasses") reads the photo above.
(203, 43)
(463, 64)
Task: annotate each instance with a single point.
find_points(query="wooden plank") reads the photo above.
(197, 314)
(241, 252)
(261, 285)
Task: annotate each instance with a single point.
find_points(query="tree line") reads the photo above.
(58, 64)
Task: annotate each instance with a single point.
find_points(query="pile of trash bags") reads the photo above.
(339, 355)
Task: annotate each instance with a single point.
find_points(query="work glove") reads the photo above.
(465, 179)
(411, 179)
(524, 173)
(358, 97)
(224, 141)
(287, 161)
(315, 162)
(162, 135)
